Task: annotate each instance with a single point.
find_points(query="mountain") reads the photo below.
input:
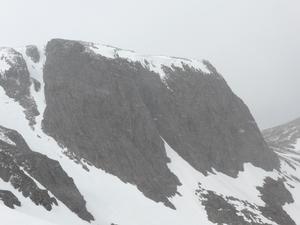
(285, 141)
(91, 133)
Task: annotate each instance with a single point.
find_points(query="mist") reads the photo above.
(254, 44)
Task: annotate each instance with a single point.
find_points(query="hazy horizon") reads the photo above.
(254, 44)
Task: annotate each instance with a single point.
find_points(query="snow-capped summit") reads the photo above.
(284, 138)
(95, 134)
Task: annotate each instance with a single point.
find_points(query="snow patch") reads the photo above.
(297, 146)
(104, 50)
(31, 214)
(218, 182)
(4, 66)
(7, 57)
(36, 72)
(153, 63)
(14, 217)
(294, 188)
(5, 139)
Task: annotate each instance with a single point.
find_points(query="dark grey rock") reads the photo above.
(33, 52)
(112, 113)
(9, 199)
(37, 85)
(16, 158)
(275, 195)
(94, 108)
(203, 120)
(11, 172)
(16, 83)
(221, 211)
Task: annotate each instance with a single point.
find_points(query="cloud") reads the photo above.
(254, 43)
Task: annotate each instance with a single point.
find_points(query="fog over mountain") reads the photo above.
(254, 44)
(149, 112)
(90, 133)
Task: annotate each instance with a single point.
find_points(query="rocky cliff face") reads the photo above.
(203, 120)
(26, 170)
(113, 112)
(103, 121)
(16, 81)
(95, 110)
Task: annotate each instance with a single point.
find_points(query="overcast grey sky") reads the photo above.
(255, 44)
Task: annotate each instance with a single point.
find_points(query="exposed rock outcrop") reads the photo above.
(100, 116)
(275, 195)
(22, 168)
(203, 120)
(113, 112)
(9, 199)
(33, 52)
(229, 210)
(16, 82)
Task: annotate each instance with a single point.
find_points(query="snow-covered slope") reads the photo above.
(154, 63)
(201, 197)
(285, 140)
